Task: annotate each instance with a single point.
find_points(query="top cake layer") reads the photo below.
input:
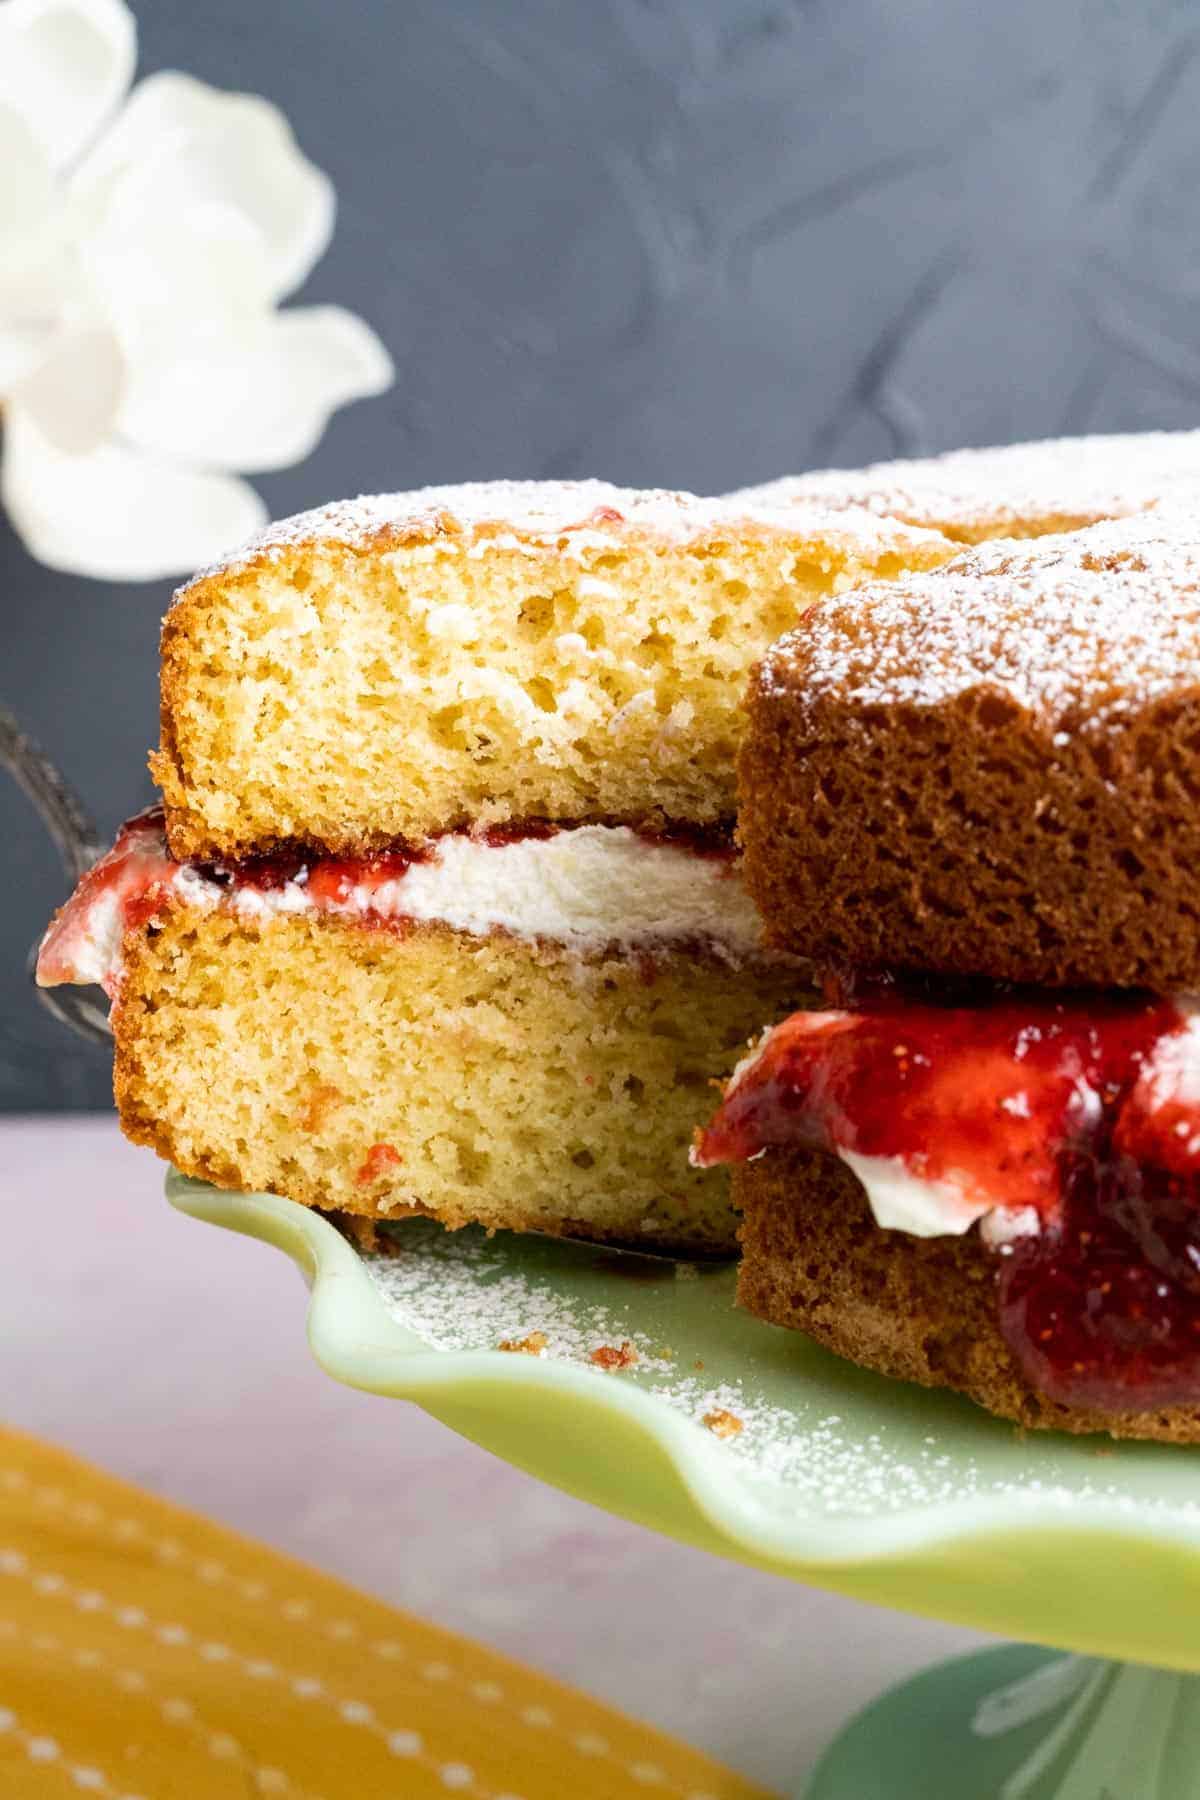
(388, 668)
(992, 770)
(1018, 490)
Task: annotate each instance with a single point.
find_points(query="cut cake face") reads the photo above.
(521, 1033)
(389, 668)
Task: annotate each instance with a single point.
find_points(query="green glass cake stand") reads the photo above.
(750, 1442)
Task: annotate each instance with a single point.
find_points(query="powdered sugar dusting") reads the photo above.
(458, 1293)
(463, 1291)
(1018, 488)
(1077, 628)
(541, 514)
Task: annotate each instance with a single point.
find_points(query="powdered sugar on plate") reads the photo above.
(458, 1291)
(804, 1430)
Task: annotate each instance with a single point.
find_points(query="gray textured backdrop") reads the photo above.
(686, 242)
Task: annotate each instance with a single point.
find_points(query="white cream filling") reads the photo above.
(96, 946)
(588, 888)
(1171, 1076)
(1005, 1224)
(902, 1201)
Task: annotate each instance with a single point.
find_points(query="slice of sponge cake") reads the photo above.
(388, 668)
(450, 918)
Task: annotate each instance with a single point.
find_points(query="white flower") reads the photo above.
(146, 238)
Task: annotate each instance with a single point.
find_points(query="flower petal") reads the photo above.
(22, 348)
(115, 513)
(32, 250)
(259, 400)
(65, 66)
(201, 275)
(73, 392)
(180, 147)
(27, 192)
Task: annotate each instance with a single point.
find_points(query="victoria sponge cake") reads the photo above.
(443, 912)
(973, 800)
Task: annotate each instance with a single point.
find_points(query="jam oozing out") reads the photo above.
(137, 882)
(983, 1096)
(1105, 1311)
(132, 883)
(1084, 1108)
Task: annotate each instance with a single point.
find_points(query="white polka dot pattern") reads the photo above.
(134, 1639)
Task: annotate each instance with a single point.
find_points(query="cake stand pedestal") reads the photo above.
(1016, 1723)
(752, 1443)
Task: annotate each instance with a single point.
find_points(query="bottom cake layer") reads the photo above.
(918, 1309)
(476, 1078)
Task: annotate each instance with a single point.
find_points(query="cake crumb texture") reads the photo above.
(393, 667)
(534, 1343)
(378, 1073)
(614, 1356)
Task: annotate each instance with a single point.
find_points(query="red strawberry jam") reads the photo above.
(380, 1158)
(329, 879)
(515, 831)
(263, 873)
(333, 879)
(1105, 1311)
(132, 883)
(137, 882)
(1074, 1106)
(985, 1095)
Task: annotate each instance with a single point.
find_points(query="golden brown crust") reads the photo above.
(915, 1309)
(188, 836)
(992, 770)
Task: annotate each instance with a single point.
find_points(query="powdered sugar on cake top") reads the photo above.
(1077, 628)
(977, 493)
(541, 514)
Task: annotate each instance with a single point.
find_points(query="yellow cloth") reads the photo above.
(148, 1654)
